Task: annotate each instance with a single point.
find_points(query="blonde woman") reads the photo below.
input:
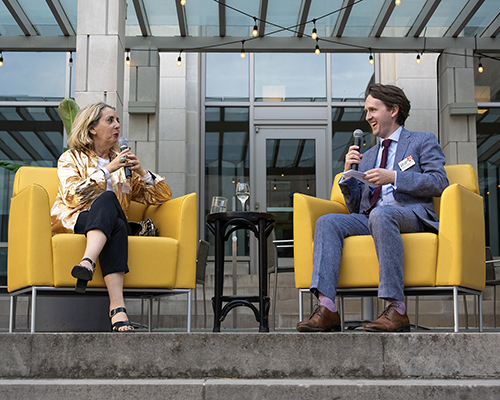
(93, 199)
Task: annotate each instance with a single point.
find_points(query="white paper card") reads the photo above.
(357, 175)
(406, 163)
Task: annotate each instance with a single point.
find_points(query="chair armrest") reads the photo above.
(30, 240)
(306, 211)
(177, 219)
(461, 255)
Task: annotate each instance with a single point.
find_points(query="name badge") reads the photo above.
(406, 163)
(126, 188)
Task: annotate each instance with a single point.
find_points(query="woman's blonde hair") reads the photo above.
(86, 119)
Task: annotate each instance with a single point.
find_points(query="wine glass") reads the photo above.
(242, 193)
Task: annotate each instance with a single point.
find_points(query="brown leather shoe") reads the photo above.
(389, 321)
(322, 320)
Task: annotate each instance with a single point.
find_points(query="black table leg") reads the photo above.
(263, 299)
(219, 275)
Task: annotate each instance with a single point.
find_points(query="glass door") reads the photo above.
(288, 161)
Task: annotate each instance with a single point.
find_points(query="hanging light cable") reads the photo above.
(480, 68)
(255, 31)
(314, 32)
(179, 59)
(243, 49)
(1, 59)
(372, 61)
(316, 49)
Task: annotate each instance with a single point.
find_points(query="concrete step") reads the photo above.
(290, 355)
(243, 389)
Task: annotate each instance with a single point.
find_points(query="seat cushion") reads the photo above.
(359, 264)
(152, 261)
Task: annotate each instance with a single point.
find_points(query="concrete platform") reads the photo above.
(243, 389)
(250, 356)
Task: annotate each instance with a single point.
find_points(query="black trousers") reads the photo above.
(106, 214)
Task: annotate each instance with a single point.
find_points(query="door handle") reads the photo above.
(256, 205)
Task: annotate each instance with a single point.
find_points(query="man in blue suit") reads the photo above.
(408, 176)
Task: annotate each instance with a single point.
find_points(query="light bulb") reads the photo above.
(418, 58)
(316, 50)
(314, 34)
(243, 55)
(127, 60)
(179, 61)
(183, 2)
(1, 62)
(255, 31)
(397, 2)
(480, 69)
(372, 61)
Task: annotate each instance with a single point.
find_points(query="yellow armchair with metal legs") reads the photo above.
(162, 265)
(452, 261)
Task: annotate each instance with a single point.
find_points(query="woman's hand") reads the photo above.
(126, 159)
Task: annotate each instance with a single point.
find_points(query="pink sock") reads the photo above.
(327, 302)
(399, 306)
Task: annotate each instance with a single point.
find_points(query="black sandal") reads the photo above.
(118, 324)
(83, 275)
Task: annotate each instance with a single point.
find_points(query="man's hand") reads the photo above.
(353, 156)
(380, 176)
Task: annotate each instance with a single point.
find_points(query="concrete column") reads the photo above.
(142, 106)
(457, 107)
(419, 84)
(100, 52)
(179, 126)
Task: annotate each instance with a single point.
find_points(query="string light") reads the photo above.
(480, 68)
(179, 59)
(70, 61)
(183, 2)
(418, 59)
(372, 61)
(308, 185)
(243, 49)
(127, 60)
(316, 49)
(274, 187)
(397, 2)
(255, 31)
(314, 32)
(1, 59)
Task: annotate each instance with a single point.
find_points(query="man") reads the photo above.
(402, 203)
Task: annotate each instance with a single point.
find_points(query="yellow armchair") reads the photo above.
(452, 260)
(158, 265)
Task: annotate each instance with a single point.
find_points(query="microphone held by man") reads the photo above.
(358, 138)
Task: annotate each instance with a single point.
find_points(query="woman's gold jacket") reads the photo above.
(80, 182)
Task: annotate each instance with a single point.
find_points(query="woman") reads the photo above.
(94, 196)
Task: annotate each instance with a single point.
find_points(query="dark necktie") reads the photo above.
(383, 162)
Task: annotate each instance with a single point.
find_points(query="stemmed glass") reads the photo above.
(242, 193)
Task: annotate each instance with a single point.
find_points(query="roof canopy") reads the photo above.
(282, 25)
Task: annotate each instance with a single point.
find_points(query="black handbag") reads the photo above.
(145, 227)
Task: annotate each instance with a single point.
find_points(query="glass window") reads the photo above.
(226, 161)
(362, 18)
(318, 9)
(487, 87)
(227, 77)
(238, 24)
(290, 77)
(351, 76)
(28, 75)
(282, 13)
(488, 158)
(202, 17)
(8, 25)
(39, 14)
(443, 17)
(345, 120)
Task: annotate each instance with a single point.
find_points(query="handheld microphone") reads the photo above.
(123, 143)
(358, 136)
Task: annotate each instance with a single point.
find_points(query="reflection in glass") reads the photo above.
(344, 122)
(226, 162)
(227, 77)
(26, 75)
(351, 76)
(488, 157)
(291, 168)
(290, 77)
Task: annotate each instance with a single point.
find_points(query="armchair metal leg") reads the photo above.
(189, 311)
(33, 309)
(196, 307)
(13, 310)
(341, 306)
(204, 307)
(150, 315)
(416, 312)
(480, 311)
(466, 311)
(455, 309)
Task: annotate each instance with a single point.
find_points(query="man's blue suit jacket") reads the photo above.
(416, 186)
